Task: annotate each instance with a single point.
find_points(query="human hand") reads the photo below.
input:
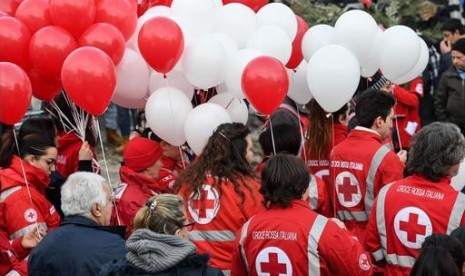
(85, 153)
(402, 156)
(31, 239)
(445, 46)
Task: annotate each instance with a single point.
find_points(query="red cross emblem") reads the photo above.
(412, 225)
(348, 190)
(273, 261)
(204, 205)
(30, 215)
(273, 266)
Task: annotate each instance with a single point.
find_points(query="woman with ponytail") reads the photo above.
(24, 175)
(159, 244)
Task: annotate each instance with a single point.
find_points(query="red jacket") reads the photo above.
(219, 217)
(407, 109)
(12, 256)
(297, 241)
(131, 195)
(319, 165)
(319, 200)
(405, 213)
(361, 165)
(19, 213)
(68, 155)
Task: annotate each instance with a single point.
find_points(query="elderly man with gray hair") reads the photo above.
(83, 242)
(424, 203)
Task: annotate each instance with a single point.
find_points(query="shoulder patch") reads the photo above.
(30, 215)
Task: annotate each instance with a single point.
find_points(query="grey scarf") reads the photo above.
(155, 252)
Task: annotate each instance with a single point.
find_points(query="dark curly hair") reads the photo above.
(224, 157)
(284, 178)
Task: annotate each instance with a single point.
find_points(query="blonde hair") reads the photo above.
(162, 214)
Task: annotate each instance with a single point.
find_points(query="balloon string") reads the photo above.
(302, 137)
(182, 157)
(272, 135)
(330, 115)
(25, 179)
(391, 89)
(108, 173)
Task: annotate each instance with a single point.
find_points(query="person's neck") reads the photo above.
(367, 129)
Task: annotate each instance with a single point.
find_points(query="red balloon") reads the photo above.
(107, 38)
(265, 83)
(9, 6)
(73, 15)
(144, 5)
(120, 13)
(89, 78)
(14, 41)
(297, 56)
(15, 93)
(255, 5)
(161, 43)
(44, 88)
(35, 14)
(49, 48)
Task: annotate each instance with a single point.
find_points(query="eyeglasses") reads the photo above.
(189, 225)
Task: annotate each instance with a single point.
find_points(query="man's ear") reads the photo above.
(96, 210)
(378, 122)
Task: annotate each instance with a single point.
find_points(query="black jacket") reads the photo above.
(450, 98)
(78, 247)
(193, 265)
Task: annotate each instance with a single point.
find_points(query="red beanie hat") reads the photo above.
(141, 153)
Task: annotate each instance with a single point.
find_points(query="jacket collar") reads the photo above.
(87, 222)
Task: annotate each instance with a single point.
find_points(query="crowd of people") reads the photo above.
(364, 190)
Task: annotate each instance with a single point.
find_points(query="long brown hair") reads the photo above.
(224, 158)
(319, 132)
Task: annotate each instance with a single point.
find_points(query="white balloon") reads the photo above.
(355, 30)
(200, 15)
(175, 79)
(279, 15)
(238, 21)
(333, 74)
(237, 108)
(315, 38)
(149, 14)
(229, 45)
(132, 76)
(271, 41)
(203, 63)
(235, 65)
(222, 88)
(371, 66)
(202, 122)
(166, 112)
(399, 52)
(421, 64)
(298, 87)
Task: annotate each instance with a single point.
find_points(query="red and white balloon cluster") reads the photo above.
(49, 44)
(337, 56)
(244, 48)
